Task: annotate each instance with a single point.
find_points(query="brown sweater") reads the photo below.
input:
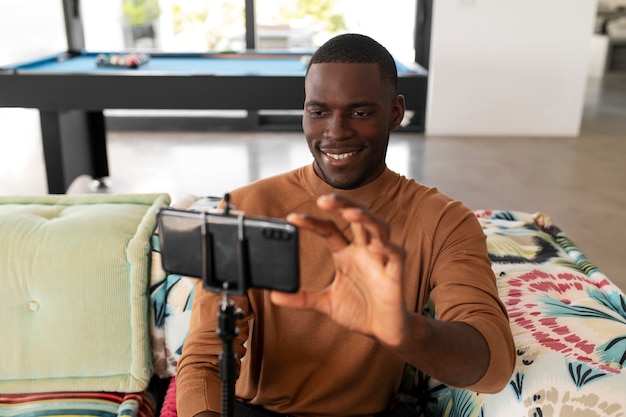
(303, 364)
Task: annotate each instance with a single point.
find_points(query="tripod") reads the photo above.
(228, 313)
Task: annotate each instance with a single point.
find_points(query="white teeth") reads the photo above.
(340, 156)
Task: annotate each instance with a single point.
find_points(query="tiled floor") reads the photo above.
(580, 182)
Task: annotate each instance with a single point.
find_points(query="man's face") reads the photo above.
(348, 116)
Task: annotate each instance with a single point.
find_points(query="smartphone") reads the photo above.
(231, 253)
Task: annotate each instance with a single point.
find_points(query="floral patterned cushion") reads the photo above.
(569, 324)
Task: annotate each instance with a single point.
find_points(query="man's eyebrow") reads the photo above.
(361, 104)
(352, 105)
(316, 103)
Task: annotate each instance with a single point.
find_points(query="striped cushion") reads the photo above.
(61, 404)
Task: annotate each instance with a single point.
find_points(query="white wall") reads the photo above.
(508, 67)
(28, 30)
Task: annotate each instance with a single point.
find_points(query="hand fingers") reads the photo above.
(365, 225)
(394, 255)
(337, 201)
(323, 227)
(360, 236)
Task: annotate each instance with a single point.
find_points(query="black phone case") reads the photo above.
(267, 255)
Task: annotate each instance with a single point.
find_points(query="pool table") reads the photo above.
(71, 91)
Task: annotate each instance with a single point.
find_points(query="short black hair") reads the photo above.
(358, 49)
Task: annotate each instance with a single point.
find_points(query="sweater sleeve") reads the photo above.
(463, 289)
(198, 381)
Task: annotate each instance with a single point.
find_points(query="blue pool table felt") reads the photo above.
(86, 64)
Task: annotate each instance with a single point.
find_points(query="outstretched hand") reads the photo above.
(366, 292)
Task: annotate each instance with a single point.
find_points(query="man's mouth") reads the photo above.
(340, 156)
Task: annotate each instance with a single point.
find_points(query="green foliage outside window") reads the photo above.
(141, 12)
(320, 11)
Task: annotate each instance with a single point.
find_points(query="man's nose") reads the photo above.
(338, 127)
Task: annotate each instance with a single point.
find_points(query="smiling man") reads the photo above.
(348, 118)
(374, 248)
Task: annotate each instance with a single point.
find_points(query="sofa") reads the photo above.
(92, 324)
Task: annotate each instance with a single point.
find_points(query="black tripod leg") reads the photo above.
(227, 331)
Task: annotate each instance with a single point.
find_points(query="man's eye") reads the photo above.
(317, 113)
(360, 113)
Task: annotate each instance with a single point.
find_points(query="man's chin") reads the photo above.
(342, 182)
(337, 178)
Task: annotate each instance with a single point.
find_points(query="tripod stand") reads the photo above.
(228, 313)
(230, 253)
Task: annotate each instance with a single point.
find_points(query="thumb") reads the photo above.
(301, 299)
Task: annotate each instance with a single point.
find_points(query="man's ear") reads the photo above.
(397, 112)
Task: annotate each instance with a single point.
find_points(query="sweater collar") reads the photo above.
(366, 194)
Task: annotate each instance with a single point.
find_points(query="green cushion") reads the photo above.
(74, 273)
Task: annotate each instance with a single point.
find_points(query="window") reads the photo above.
(220, 25)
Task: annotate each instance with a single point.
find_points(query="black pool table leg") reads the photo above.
(74, 143)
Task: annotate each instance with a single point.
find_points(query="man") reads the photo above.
(375, 247)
